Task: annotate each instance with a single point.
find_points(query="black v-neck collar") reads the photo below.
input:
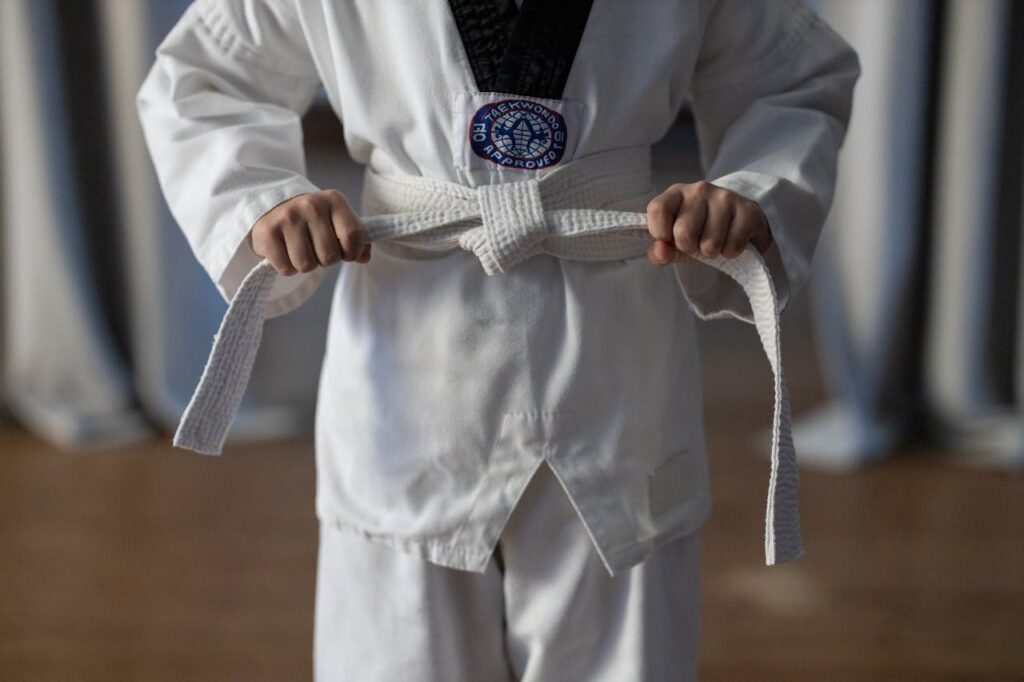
(529, 52)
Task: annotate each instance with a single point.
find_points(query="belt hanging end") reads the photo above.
(783, 539)
(211, 410)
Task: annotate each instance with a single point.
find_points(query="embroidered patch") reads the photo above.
(518, 133)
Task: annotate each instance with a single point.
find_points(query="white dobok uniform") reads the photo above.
(477, 344)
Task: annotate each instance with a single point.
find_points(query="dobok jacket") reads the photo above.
(459, 363)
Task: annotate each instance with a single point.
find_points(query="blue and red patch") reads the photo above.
(518, 133)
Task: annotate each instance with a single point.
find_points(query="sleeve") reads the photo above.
(771, 96)
(221, 114)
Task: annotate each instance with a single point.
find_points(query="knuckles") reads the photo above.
(744, 217)
(349, 230)
(304, 206)
(658, 208)
(333, 196)
(292, 214)
(701, 189)
(686, 234)
(306, 264)
(302, 213)
(721, 198)
(259, 240)
(710, 248)
(332, 258)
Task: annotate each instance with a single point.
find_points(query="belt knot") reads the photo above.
(504, 224)
(513, 221)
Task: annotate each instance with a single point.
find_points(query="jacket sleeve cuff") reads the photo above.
(234, 257)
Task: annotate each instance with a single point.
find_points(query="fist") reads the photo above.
(702, 218)
(308, 231)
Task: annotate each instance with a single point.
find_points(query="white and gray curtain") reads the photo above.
(917, 283)
(106, 317)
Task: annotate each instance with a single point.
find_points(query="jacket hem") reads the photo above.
(617, 557)
(631, 554)
(431, 550)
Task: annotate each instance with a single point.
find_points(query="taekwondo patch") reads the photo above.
(518, 133)
(505, 133)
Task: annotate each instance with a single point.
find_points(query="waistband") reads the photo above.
(565, 214)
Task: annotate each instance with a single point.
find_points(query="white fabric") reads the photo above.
(509, 225)
(959, 358)
(864, 271)
(443, 387)
(87, 364)
(60, 374)
(548, 611)
(897, 372)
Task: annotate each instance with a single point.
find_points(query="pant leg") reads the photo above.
(568, 620)
(382, 615)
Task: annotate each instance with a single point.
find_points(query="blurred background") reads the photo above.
(124, 559)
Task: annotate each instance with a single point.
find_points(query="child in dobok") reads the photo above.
(511, 468)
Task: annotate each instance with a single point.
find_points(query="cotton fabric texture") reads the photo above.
(504, 224)
(443, 389)
(536, 613)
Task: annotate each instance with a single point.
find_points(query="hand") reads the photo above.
(308, 231)
(700, 217)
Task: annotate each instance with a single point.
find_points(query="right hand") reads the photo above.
(308, 231)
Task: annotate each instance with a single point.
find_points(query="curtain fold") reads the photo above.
(863, 283)
(107, 317)
(62, 373)
(174, 307)
(66, 375)
(917, 280)
(969, 362)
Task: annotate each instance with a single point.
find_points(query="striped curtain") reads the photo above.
(106, 318)
(106, 315)
(917, 282)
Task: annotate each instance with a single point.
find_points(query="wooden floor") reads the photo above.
(147, 563)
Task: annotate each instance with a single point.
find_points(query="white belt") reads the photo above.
(504, 224)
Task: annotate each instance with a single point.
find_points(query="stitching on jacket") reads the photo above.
(219, 29)
(804, 22)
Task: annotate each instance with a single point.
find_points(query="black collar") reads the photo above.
(525, 52)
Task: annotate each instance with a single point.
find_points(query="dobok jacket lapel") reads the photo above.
(526, 53)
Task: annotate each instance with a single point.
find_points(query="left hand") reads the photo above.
(701, 217)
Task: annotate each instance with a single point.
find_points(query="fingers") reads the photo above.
(308, 231)
(720, 209)
(702, 218)
(320, 228)
(691, 222)
(321, 232)
(663, 253)
(300, 248)
(762, 237)
(348, 229)
(749, 225)
(272, 247)
(661, 212)
(740, 231)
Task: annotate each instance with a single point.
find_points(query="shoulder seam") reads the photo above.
(805, 20)
(212, 20)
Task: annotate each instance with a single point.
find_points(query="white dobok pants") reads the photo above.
(545, 610)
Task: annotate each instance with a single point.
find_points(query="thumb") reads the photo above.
(662, 252)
